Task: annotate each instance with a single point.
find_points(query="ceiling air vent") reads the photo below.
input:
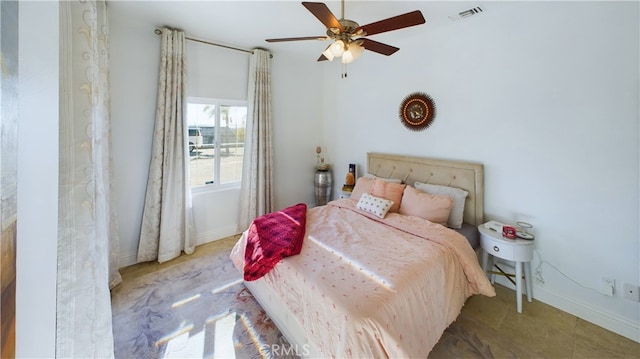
(466, 13)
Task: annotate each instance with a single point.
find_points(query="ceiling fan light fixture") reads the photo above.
(328, 54)
(347, 57)
(356, 49)
(337, 48)
(353, 51)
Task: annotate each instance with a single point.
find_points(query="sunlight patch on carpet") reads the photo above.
(226, 286)
(185, 301)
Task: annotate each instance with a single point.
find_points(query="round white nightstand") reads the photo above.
(519, 251)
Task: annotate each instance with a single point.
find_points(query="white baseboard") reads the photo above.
(219, 233)
(130, 258)
(127, 259)
(585, 311)
(597, 316)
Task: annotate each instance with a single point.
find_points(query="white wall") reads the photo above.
(211, 72)
(298, 114)
(37, 180)
(134, 65)
(546, 96)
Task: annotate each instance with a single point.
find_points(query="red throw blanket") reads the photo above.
(272, 237)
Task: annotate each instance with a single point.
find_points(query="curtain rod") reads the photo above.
(159, 32)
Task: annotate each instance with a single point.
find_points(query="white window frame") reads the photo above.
(212, 187)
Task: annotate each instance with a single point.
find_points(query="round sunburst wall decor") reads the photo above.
(417, 111)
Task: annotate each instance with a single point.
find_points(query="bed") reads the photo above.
(365, 286)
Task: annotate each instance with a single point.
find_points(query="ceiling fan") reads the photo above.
(350, 39)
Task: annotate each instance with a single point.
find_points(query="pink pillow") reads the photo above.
(363, 185)
(390, 191)
(435, 208)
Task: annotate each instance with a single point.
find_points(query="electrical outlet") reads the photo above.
(607, 286)
(631, 292)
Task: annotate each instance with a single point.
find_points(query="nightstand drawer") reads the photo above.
(498, 249)
(518, 250)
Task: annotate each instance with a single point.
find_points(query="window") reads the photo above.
(216, 141)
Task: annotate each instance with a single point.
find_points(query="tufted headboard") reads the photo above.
(465, 175)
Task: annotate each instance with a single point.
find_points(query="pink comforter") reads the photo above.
(369, 287)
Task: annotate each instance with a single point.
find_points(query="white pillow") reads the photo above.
(376, 205)
(459, 198)
(389, 180)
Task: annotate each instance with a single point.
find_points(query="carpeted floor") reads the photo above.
(197, 307)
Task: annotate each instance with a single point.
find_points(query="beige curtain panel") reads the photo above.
(256, 193)
(167, 222)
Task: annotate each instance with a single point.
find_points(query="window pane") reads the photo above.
(233, 120)
(216, 142)
(201, 119)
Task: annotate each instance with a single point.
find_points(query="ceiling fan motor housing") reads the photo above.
(347, 33)
(347, 25)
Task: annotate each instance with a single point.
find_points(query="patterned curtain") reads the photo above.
(167, 220)
(256, 194)
(87, 226)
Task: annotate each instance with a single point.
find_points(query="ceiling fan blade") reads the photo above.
(319, 38)
(322, 12)
(379, 47)
(393, 23)
(322, 58)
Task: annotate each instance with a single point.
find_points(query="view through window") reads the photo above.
(216, 141)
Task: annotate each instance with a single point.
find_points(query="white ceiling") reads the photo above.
(246, 24)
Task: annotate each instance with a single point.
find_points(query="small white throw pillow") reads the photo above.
(376, 205)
